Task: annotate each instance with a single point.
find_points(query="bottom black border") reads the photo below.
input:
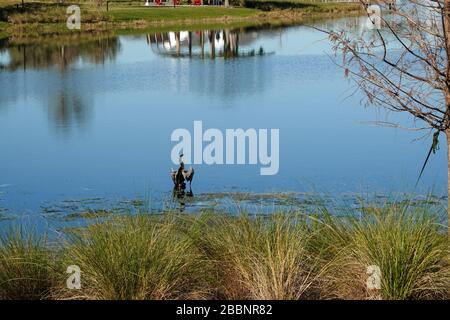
(223, 309)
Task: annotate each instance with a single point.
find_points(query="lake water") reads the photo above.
(89, 124)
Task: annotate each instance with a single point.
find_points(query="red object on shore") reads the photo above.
(158, 2)
(197, 2)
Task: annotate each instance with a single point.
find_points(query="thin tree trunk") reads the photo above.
(447, 133)
(447, 101)
(190, 44)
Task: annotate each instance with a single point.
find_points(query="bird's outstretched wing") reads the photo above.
(173, 175)
(189, 174)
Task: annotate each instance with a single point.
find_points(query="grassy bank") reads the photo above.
(217, 256)
(49, 18)
(126, 14)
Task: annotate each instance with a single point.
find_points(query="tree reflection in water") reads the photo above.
(61, 54)
(69, 109)
(200, 44)
(68, 105)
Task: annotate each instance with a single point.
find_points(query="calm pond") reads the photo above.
(88, 125)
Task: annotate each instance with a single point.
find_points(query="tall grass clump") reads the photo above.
(408, 245)
(27, 266)
(257, 257)
(135, 257)
(219, 256)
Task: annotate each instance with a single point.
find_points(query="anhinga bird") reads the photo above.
(181, 175)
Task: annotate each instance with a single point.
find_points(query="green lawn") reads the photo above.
(122, 14)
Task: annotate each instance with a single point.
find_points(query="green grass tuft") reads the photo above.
(27, 266)
(135, 257)
(409, 245)
(257, 257)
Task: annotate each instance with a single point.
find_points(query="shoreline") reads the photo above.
(122, 20)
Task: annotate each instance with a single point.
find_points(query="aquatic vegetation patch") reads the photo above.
(89, 214)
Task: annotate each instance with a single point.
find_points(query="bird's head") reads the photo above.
(180, 159)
